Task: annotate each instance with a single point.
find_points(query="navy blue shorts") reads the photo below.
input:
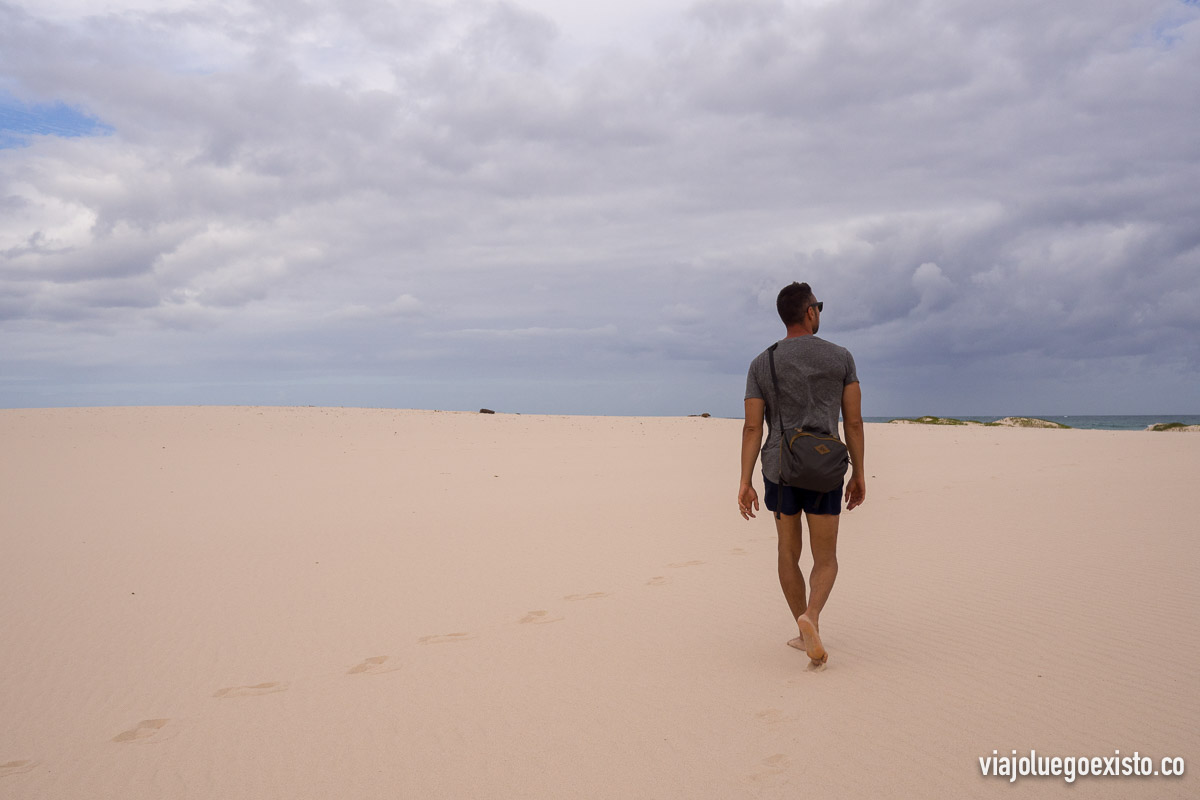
(797, 500)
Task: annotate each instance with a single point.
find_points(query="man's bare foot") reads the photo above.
(797, 643)
(812, 640)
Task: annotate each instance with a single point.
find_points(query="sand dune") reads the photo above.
(314, 603)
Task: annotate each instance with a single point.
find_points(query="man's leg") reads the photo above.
(791, 579)
(822, 537)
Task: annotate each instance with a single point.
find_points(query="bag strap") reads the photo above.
(779, 412)
(775, 383)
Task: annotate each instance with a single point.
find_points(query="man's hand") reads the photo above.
(747, 501)
(856, 491)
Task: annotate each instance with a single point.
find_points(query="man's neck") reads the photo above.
(796, 331)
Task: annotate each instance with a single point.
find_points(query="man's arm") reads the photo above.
(752, 436)
(856, 490)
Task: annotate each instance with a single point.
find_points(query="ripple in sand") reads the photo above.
(443, 638)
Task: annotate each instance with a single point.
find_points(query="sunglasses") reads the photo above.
(820, 306)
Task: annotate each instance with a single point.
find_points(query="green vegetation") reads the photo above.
(1167, 426)
(1007, 422)
(1028, 422)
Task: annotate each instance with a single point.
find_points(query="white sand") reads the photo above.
(318, 603)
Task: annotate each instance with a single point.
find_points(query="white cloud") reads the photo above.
(683, 314)
(934, 288)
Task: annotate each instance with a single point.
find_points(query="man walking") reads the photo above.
(817, 379)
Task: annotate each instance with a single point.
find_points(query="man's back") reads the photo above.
(812, 373)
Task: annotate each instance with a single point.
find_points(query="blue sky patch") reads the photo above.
(1164, 33)
(19, 121)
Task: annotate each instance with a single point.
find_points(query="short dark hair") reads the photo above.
(792, 303)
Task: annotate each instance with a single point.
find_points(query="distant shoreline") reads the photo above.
(1111, 422)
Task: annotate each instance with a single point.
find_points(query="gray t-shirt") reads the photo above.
(812, 373)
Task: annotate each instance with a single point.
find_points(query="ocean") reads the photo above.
(1108, 422)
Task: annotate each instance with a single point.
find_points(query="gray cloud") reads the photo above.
(400, 198)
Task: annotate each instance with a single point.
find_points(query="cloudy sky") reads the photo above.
(581, 207)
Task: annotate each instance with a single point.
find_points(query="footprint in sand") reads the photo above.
(771, 716)
(773, 765)
(658, 580)
(251, 691)
(442, 638)
(16, 767)
(811, 666)
(143, 731)
(737, 551)
(371, 666)
(592, 596)
(537, 618)
(686, 564)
